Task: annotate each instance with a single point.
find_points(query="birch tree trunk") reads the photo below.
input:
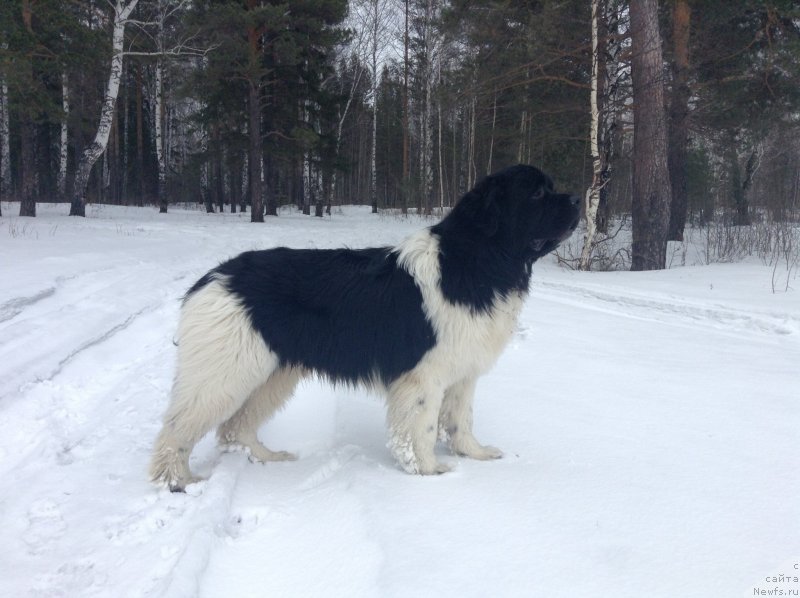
(592, 200)
(651, 185)
(331, 190)
(427, 134)
(613, 70)
(61, 181)
(439, 114)
(122, 11)
(373, 172)
(406, 182)
(161, 154)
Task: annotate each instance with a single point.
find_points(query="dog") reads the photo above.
(420, 322)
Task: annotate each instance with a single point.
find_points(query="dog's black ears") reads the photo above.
(480, 206)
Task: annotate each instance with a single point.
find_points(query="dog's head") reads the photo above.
(518, 210)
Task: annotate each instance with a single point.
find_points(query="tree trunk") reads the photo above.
(679, 117)
(219, 177)
(63, 148)
(331, 186)
(373, 168)
(140, 135)
(471, 170)
(592, 201)
(254, 124)
(426, 139)
(270, 188)
(651, 185)
(254, 155)
(5, 142)
(439, 114)
(319, 206)
(741, 187)
(490, 163)
(205, 191)
(161, 157)
(112, 162)
(613, 69)
(406, 182)
(27, 174)
(121, 12)
(308, 191)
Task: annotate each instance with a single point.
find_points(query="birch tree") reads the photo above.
(428, 57)
(592, 200)
(375, 14)
(406, 134)
(122, 11)
(63, 148)
(606, 100)
(357, 75)
(167, 12)
(163, 12)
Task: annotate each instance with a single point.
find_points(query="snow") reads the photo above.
(649, 423)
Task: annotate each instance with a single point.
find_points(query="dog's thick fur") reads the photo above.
(419, 321)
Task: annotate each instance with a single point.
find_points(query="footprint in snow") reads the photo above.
(144, 521)
(73, 578)
(45, 524)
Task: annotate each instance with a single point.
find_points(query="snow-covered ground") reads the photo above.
(649, 421)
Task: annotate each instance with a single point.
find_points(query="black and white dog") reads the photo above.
(419, 321)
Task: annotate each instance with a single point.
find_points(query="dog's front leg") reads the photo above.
(413, 411)
(455, 422)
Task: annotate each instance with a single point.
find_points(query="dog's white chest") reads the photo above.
(470, 341)
(467, 342)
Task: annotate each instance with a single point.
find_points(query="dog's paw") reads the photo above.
(435, 469)
(179, 485)
(264, 455)
(487, 453)
(476, 451)
(255, 451)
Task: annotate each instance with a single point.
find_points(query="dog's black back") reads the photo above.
(314, 309)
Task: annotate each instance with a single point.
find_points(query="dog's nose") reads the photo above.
(575, 200)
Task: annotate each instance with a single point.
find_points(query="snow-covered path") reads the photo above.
(650, 424)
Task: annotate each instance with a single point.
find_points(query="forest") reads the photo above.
(662, 115)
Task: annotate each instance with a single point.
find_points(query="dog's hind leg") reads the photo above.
(221, 361)
(242, 427)
(198, 405)
(413, 407)
(455, 422)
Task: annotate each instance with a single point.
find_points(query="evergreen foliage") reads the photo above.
(491, 83)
